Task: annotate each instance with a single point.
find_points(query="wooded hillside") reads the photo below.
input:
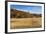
(21, 14)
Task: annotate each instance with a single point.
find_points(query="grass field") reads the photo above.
(16, 23)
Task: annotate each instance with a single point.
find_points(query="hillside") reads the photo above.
(21, 14)
(22, 19)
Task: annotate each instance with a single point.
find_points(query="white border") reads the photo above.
(29, 29)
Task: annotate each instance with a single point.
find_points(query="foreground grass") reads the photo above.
(25, 23)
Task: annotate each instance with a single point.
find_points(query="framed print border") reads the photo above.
(6, 28)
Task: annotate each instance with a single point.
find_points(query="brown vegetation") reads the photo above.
(25, 23)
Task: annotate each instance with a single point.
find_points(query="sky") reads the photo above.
(33, 9)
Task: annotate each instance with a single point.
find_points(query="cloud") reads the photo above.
(30, 11)
(23, 10)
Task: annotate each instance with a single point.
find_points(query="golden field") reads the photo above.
(25, 23)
